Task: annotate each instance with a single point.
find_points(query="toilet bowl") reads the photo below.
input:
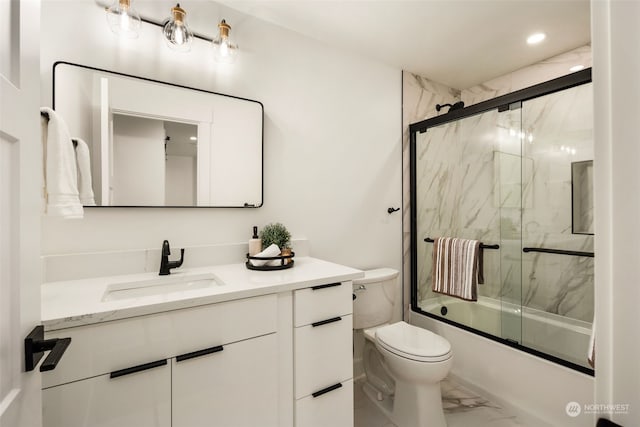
(417, 360)
(403, 364)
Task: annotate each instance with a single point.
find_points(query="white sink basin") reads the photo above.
(175, 282)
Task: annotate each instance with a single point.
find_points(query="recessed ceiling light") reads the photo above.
(193, 138)
(576, 68)
(536, 38)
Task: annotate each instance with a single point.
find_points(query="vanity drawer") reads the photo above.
(334, 407)
(322, 302)
(323, 354)
(105, 347)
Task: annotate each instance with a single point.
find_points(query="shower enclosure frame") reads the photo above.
(501, 103)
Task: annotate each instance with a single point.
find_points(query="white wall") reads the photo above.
(615, 33)
(332, 136)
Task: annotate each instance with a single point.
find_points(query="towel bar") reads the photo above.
(482, 245)
(559, 252)
(46, 116)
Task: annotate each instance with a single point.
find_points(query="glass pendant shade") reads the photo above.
(123, 19)
(176, 32)
(223, 48)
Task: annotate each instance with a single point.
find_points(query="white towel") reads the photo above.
(272, 250)
(60, 170)
(84, 173)
(457, 267)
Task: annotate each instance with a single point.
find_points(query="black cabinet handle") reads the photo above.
(328, 285)
(324, 322)
(326, 390)
(35, 345)
(139, 368)
(199, 353)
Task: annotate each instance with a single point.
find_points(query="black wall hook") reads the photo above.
(392, 210)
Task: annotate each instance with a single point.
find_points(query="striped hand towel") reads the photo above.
(457, 267)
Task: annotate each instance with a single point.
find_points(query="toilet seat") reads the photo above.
(412, 342)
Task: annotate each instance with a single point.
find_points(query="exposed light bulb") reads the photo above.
(123, 19)
(224, 49)
(176, 32)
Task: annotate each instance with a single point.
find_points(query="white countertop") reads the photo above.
(72, 303)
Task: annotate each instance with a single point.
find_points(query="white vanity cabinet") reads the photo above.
(323, 356)
(258, 349)
(186, 367)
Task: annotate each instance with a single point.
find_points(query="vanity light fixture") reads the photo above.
(176, 32)
(123, 19)
(536, 38)
(224, 49)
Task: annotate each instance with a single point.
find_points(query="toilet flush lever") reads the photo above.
(360, 288)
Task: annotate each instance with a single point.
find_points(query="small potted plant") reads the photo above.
(277, 234)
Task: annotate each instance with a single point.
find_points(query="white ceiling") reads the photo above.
(459, 43)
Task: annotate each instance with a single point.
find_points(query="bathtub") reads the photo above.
(551, 334)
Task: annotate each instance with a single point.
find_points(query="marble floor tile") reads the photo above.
(462, 408)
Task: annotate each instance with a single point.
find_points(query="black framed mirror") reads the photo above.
(157, 144)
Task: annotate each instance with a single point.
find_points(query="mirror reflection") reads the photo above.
(157, 144)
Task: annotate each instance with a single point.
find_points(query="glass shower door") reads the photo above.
(508, 170)
(468, 185)
(557, 218)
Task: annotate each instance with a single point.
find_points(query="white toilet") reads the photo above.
(403, 364)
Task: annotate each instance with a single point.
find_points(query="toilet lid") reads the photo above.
(413, 342)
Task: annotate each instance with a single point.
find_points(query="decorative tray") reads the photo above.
(286, 261)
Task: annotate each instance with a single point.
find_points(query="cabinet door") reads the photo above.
(234, 387)
(140, 399)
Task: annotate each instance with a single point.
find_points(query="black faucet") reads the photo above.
(165, 264)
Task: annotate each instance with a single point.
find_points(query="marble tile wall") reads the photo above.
(543, 71)
(560, 128)
(419, 99)
(490, 183)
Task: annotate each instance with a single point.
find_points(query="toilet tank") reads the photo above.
(375, 296)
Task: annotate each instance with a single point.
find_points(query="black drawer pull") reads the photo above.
(328, 285)
(134, 369)
(199, 353)
(326, 390)
(324, 322)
